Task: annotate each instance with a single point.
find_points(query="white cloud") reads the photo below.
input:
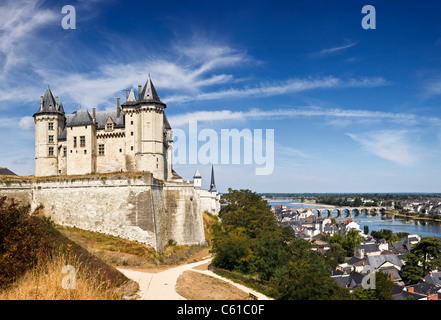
(26, 123)
(19, 22)
(392, 145)
(335, 114)
(335, 49)
(282, 87)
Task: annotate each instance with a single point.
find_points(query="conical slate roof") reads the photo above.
(48, 105)
(149, 92)
(197, 174)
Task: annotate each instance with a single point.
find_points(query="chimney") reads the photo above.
(94, 115)
(139, 92)
(118, 109)
(41, 102)
(410, 289)
(432, 296)
(56, 102)
(127, 94)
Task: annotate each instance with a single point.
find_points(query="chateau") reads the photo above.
(133, 137)
(111, 172)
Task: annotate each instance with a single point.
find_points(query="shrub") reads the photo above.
(23, 240)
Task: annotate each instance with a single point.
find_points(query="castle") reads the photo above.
(111, 172)
(133, 137)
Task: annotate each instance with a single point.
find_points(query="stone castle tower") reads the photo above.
(133, 137)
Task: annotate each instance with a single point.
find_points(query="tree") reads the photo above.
(424, 256)
(382, 291)
(366, 229)
(232, 248)
(335, 255)
(352, 239)
(304, 276)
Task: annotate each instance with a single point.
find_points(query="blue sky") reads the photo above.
(352, 110)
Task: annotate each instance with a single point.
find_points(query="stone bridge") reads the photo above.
(346, 212)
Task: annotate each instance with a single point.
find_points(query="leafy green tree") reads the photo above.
(382, 291)
(304, 276)
(247, 210)
(352, 239)
(232, 248)
(424, 256)
(335, 255)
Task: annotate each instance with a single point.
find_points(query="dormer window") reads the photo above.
(51, 126)
(109, 124)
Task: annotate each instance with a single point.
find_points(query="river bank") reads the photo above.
(412, 216)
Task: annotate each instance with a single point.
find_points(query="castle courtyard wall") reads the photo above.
(132, 206)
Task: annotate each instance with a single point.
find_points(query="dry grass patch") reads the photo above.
(197, 286)
(50, 280)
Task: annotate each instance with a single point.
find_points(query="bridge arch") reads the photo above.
(346, 212)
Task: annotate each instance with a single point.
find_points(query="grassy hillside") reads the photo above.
(33, 253)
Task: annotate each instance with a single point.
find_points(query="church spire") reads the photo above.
(212, 184)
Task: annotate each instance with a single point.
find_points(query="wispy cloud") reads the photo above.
(19, 22)
(328, 51)
(311, 111)
(283, 87)
(392, 145)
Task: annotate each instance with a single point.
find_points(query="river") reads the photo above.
(397, 224)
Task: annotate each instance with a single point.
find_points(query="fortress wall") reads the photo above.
(185, 223)
(136, 207)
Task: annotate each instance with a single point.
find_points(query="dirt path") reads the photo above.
(162, 285)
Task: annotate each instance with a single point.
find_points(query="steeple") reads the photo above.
(212, 184)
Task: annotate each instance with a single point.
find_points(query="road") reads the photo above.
(161, 285)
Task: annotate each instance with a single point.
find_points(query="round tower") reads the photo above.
(49, 122)
(146, 132)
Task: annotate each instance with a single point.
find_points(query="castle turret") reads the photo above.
(197, 180)
(49, 122)
(146, 133)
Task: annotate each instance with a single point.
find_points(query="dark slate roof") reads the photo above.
(352, 280)
(102, 116)
(6, 172)
(377, 260)
(425, 288)
(148, 94)
(368, 247)
(79, 118)
(49, 104)
(433, 277)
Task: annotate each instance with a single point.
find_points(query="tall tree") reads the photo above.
(424, 256)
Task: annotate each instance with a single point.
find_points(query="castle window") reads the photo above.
(120, 150)
(75, 142)
(51, 151)
(101, 150)
(82, 141)
(51, 139)
(85, 151)
(131, 148)
(109, 126)
(131, 133)
(131, 122)
(65, 151)
(51, 126)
